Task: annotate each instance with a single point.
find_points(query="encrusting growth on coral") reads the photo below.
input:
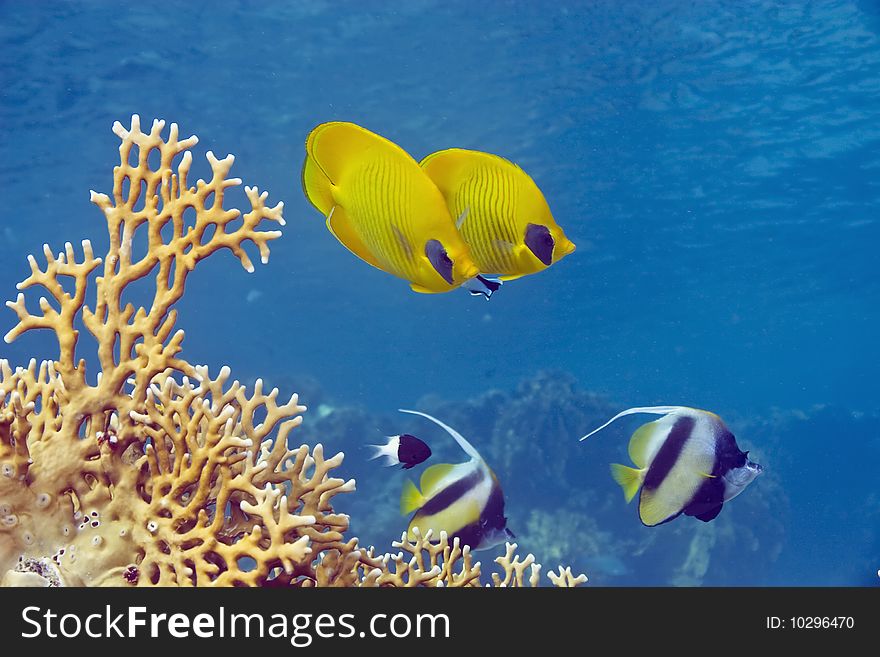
(155, 472)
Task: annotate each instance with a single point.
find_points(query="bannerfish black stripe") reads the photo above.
(452, 493)
(709, 495)
(491, 518)
(727, 453)
(669, 452)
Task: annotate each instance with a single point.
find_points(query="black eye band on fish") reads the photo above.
(540, 242)
(439, 259)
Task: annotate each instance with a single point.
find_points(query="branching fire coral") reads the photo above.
(155, 472)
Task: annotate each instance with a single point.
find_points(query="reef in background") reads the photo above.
(563, 504)
(155, 472)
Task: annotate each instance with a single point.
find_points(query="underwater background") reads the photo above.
(717, 164)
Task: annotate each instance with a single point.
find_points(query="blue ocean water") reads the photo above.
(717, 164)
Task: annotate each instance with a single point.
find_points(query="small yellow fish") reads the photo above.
(503, 216)
(384, 208)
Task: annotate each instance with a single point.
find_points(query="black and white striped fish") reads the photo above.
(465, 500)
(687, 462)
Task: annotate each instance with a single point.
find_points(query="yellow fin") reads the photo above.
(317, 187)
(444, 167)
(656, 508)
(707, 476)
(336, 145)
(646, 440)
(629, 479)
(410, 499)
(421, 289)
(340, 226)
(432, 476)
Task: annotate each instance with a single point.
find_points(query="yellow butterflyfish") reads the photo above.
(383, 208)
(503, 216)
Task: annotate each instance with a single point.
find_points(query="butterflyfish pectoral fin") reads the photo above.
(707, 476)
(340, 227)
(403, 241)
(629, 479)
(411, 498)
(655, 410)
(461, 218)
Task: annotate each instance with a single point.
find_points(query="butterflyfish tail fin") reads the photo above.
(411, 498)
(464, 444)
(655, 410)
(317, 186)
(629, 479)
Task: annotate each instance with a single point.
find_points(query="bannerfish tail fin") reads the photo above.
(655, 410)
(411, 498)
(317, 186)
(464, 444)
(482, 286)
(629, 479)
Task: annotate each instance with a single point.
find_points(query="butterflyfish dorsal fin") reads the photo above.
(432, 477)
(655, 410)
(410, 499)
(336, 145)
(443, 166)
(464, 444)
(340, 227)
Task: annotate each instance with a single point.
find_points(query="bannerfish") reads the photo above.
(404, 449)
(383, 208)
(502, 215)
(463, 499)
(687, 462)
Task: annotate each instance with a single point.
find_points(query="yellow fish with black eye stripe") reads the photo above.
(503, 216)
(383, 208)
